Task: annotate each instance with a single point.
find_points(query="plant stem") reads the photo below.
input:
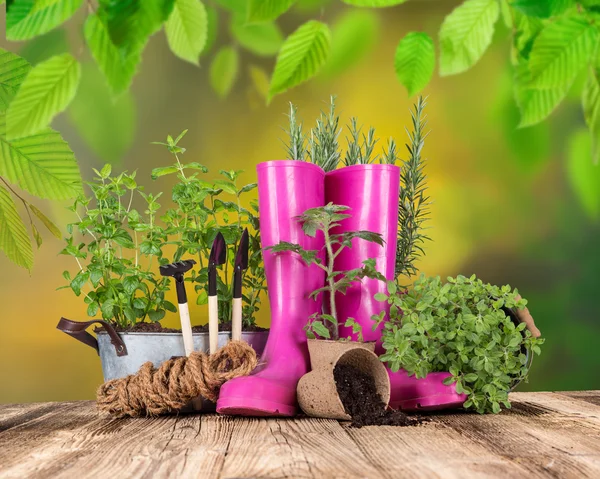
(331, 281)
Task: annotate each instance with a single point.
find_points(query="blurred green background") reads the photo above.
(504, 206)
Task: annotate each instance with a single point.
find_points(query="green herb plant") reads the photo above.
(413, 204)
(118, 250)
(459, 326)
(323, 149)
(324, 219)
(203, 209)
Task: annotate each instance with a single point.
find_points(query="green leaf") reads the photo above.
(42, 17)
(13, 70)
(224, 70)
(466, 34)
(260, 80)
(163, 171)
(187, 29)
(92, 309)
(535, 104)
(46, 221)
(212, 28)
(591, 111)
(118, 67)
(583, 174)
(319, 328)
(262, 39)
(353, 34)
(42, 164)
(131, 22)
(110, 131)
(14, 240)
(374, 3)
(541, 9)
(42, 48)
(267, 10)
(45, 92)
(560, 51)
(415, 61)
(301, 57)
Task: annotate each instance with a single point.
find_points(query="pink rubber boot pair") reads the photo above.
(285, 190)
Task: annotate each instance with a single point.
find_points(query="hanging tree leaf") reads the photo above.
(13, 70)
(186, 29)
(41, 164)
(46, 91)
(14, 240)
(224, 70)
(466, 34)
(415, 61)
(118, 67)
(301, 57)
(267, 10)
(27, 19)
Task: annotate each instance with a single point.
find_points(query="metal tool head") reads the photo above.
(218, 252)
(241, 258)
(176, 269)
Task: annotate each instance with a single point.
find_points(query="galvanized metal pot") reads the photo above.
(158, 347)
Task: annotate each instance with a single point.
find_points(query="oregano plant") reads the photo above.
(325, 219)
(461, 326)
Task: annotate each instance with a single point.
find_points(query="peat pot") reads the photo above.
(317, 391)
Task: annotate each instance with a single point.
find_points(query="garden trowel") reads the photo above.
(218, 256)
(177, 270)
(241, 263)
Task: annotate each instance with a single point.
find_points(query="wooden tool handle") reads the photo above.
(213, 323)
(236, 319)
(186, 328)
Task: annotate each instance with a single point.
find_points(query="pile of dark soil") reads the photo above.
(362, 402)
(158, 328)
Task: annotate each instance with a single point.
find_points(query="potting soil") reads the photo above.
(361, 401)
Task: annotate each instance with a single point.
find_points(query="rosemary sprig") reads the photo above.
(390, 156)
(296, 145)
(360, 153)
(413, 202)
(323, 141)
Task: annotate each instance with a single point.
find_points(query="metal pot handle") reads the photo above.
(77, 329)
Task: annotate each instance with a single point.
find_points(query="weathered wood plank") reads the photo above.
(592, 397)
(12, 415)
(561, 404)
(429, 450)
(543, 435)
(296, 448)
(42, 427)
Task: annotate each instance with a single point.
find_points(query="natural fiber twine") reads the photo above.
(153, 391)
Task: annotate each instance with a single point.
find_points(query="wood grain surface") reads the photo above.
(543, 435)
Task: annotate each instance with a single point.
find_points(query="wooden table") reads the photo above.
(543, 435)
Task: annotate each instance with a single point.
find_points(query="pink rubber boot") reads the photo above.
(285, 190)
(371, 191)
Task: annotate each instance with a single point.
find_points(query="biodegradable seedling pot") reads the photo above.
(317, 390)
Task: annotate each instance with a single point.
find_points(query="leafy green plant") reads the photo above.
(115, 246)
(460, 326)
(41, 164)
(324, 219)
(323, 149)
(203, 209)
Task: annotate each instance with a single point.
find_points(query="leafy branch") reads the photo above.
(325, 219)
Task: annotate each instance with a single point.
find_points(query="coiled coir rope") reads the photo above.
(152, 391)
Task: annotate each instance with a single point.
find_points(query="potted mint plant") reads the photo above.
(317, 391)
(480, 333)
(118, 250)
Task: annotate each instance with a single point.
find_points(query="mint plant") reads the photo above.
(117, 250)
(325, 219)
(203, 209)
(460, 326)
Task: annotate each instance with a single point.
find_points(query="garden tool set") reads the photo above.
(218, 256)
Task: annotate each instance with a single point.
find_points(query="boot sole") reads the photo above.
(239, 406)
